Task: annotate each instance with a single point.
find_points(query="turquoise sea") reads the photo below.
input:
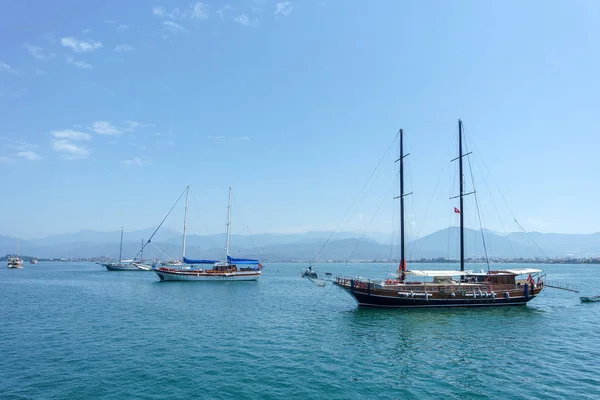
(77, 331)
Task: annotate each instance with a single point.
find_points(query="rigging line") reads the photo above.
(493, 180)
(242, 217)
(210, 237)
(533, 241)
(357, 243)
(500, 219)
(487, 261)
(508, 206)
(168, 256)
(162, 222)
(419, 230)
(395, 217)
(368, 225)
(356, 198)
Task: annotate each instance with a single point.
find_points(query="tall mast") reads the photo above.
(121, 247)
(142, 251)
(461, 195)
(228, 225)
(187, 192)
(402, 266)
(402, 259)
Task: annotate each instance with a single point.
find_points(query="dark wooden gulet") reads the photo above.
(444, 288)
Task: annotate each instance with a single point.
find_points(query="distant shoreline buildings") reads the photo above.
(435, 260)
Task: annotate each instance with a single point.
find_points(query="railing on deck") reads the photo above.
(430, 287)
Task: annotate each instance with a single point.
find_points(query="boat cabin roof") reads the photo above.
(447, 273)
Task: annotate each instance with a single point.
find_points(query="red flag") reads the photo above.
(456, 210)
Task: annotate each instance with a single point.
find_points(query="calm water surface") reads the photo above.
(78, 331)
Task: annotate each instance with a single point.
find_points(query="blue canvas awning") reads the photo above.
(190, 261)
(234, 260)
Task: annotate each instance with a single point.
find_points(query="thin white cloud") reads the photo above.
(283, 8)
(69, 134)
(80, 46)
(38, 53)
(110, 21)
(78, 63)
(221, 11)
(86, 31)
(200, 11)
(174, 27)
(138, 162)
(122, 27)
(242, 138)
(176, 13)
(19, 145)
(135, 124)
(216, 137)
(243, 20)
(105, 128)
(29, 155)
(123, 48)
(69, 150)
(4, 67)
(40, 72)
(4, 160)
(49, 37)
(158, 10)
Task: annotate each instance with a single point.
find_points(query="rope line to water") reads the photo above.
(355, 199)
(357, 243)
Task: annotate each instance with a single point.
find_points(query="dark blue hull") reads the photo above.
(365, 299)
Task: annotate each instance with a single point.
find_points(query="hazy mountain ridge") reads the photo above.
(304, 246)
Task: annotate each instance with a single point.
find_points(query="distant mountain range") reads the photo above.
(304, 246)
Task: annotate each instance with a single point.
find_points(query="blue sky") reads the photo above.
(110, 108)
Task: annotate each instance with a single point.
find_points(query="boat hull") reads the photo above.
(193, 276)
(400, 298)
(142, 267)
(115, 267)
(15, 263)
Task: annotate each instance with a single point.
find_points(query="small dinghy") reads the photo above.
(590, 299)
(313, 277)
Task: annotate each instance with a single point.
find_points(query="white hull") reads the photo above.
(122, 267)
(15, 263)
(143, 267)
(203, 276)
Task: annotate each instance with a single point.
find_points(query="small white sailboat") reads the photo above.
(15, 262)
(227, 270)
(121, 265)
(140, 264)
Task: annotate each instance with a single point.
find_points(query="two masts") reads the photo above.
(444, 288)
